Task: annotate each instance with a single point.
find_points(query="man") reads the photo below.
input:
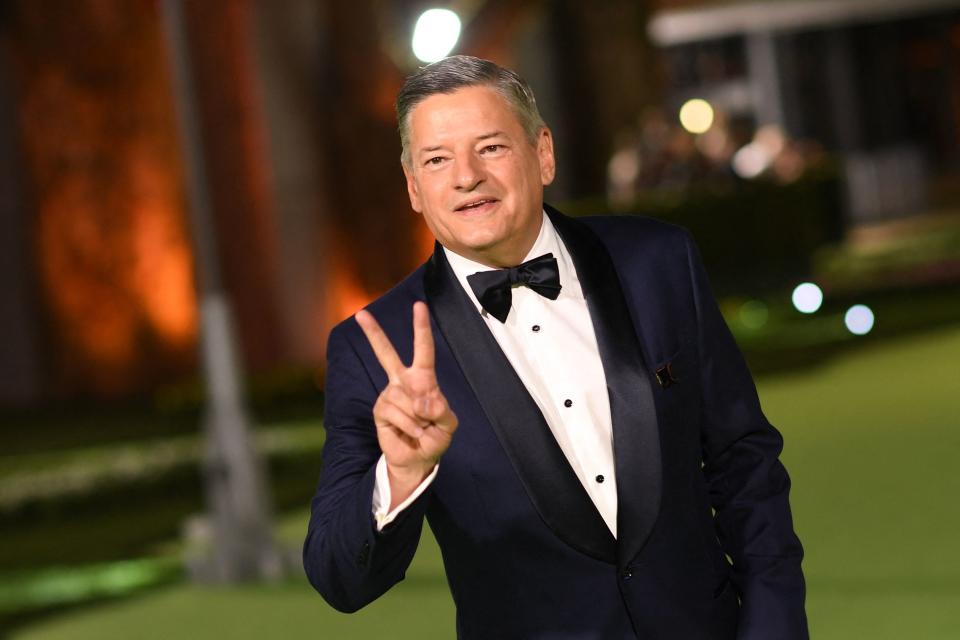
(576, 421)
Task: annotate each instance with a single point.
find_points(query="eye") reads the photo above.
(492, 148)
(434, 161)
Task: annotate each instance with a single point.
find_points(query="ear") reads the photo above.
(548, 164)
(413, 190)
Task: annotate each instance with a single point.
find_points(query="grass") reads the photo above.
(872, 439)
(418, 607)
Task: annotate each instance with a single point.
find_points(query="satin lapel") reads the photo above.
(551, 483)
(636, 436)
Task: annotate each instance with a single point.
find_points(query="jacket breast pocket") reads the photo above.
(675, 381)
(669, 371)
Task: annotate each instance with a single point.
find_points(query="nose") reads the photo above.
(469, 172)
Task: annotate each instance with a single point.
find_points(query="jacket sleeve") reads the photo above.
(345, 558)
(749, 487)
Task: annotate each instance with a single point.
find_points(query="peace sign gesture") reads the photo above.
(414, 422)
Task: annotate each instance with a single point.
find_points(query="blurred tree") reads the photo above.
(603, 70)
(375, 239)
(230, 107)
(20, 360)
(234, 476)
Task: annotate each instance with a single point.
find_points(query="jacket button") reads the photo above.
(627, 574)
(364, 555)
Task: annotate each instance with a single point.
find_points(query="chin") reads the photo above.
(481, 244)
(478, 240)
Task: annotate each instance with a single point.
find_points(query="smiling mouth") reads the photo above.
(476, 204)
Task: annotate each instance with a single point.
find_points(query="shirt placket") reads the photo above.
(564, 395)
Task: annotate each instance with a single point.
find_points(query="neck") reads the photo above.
(504, 259)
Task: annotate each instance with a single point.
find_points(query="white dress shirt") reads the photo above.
(553, 349)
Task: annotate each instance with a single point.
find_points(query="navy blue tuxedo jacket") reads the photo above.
(526, 553)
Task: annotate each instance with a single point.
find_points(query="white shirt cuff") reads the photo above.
(382, 497)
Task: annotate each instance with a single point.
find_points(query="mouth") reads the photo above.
(477, 204)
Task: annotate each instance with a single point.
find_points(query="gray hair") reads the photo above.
(456, 72)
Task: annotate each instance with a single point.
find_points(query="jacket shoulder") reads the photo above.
(636, 236)
(634, 227)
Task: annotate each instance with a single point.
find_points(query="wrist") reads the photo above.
(412, 475)
(405, 480)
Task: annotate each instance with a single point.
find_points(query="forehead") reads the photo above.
(470, 110)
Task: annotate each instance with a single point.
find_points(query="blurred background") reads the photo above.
(192, 193)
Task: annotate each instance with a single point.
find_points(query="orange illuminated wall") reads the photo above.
(98, 136)
(372, 238)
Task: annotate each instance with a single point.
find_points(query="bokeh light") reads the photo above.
(696, 115)
(859, 319)
(435, 34)
(751, 160)
(807, 297)
(754, 314)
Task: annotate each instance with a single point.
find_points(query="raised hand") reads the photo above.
(414, 422)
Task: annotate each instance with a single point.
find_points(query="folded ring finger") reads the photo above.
(388, 414)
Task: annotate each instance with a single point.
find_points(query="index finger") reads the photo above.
(423, 353)
(382, 348)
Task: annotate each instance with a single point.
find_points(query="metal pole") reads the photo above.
(243, 546)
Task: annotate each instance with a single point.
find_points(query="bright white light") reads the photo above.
(436, 34)
(859, 319)
(807, 297)
(696, 115)
(751, 160)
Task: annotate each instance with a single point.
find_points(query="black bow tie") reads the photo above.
(493, 288)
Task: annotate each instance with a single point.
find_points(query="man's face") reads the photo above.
(476, 177)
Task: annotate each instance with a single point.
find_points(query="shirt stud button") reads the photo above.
(600, 479)
(535, 328)
(568, 403)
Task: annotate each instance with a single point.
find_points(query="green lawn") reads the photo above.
(872, 439)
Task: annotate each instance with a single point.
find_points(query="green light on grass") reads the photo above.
(753, 314)
(65, 585)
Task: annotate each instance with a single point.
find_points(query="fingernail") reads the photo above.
(423, 406)
(418, 432)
